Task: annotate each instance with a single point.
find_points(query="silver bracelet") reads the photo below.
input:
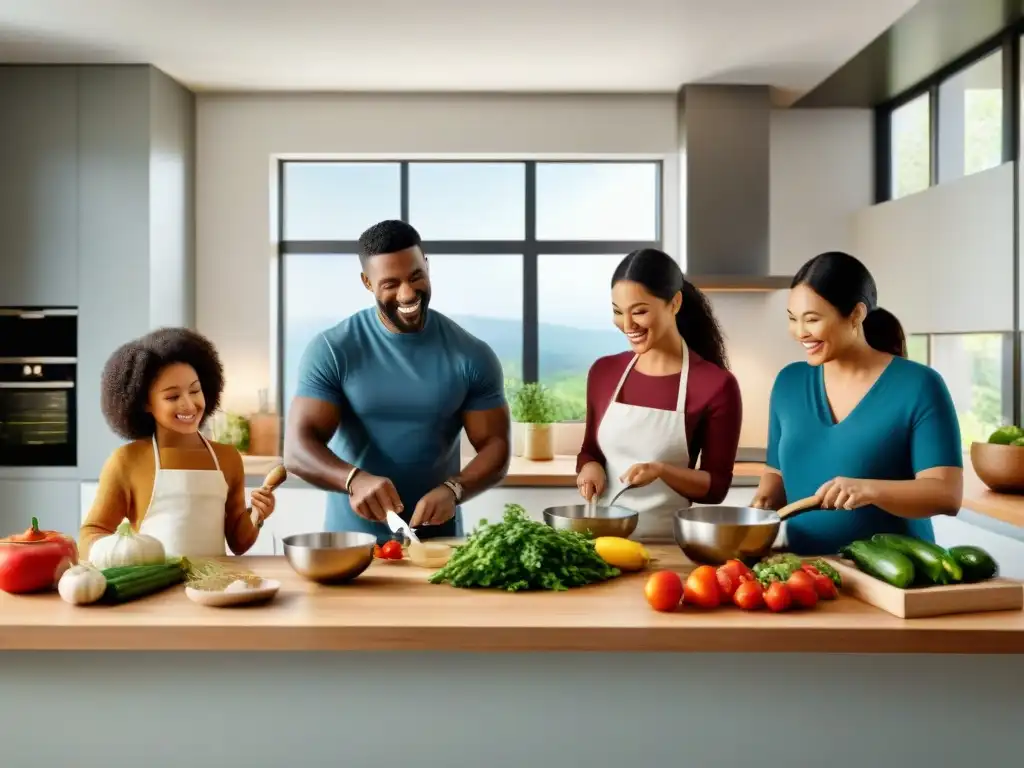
(348, 480)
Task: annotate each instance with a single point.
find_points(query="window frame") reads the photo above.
(1009, 42)
(530, 247)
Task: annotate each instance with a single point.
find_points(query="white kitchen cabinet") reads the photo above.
(39, 186)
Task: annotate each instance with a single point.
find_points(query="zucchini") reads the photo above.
(930, 561)
(977, 564)
(140, 580)
(884, 564)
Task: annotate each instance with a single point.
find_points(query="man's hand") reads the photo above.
(373, 497)
(437, 507)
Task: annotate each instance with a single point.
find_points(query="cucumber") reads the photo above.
(882, 563)
(142, 580)
(930, 561)
(978, 565)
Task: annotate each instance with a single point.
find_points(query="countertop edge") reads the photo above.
(769, 639)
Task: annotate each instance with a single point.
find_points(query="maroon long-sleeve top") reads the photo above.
(714, 413)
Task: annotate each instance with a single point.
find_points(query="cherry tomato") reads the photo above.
(664, 590)
(702, 588)
(749, 596)
(737, 570)
(392, 550)
(778, 597)
(823, 585)
(727, 583)
(801, 586)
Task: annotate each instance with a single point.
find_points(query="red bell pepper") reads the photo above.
(35, 560)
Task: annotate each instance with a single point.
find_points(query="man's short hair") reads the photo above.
(387, 236)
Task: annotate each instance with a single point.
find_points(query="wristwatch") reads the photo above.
(456, 488)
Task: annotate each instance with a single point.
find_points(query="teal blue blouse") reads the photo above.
(905, 424)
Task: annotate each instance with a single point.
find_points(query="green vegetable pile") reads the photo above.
(521, 554)
(781, 567)
(905, 562)
(1010, 434)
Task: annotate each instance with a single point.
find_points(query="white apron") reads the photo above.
(186, 510)
(634, 434)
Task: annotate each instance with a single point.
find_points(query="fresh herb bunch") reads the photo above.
(781, 567)
(532, 404)
(521, 554)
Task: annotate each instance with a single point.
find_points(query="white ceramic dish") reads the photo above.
(226, 599)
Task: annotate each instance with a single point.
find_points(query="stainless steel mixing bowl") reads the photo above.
(712, 535)
(329, 558)
(599, 521)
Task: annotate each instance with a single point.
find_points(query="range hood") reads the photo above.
(725, 172)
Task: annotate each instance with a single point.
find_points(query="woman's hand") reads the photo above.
(263, 504)
(591, 480)
(846, 493)
(640, 475)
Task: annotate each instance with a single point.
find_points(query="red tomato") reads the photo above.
(33, 567)
(727, 583)
(376, 551)
(664, 590)
(777, 597)
(823, 585)
(801, 586)
(702, 588)
(737, 570)
(749, 596)
(392, 550)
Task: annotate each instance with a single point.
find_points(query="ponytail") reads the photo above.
(884, 333)
(699, 328)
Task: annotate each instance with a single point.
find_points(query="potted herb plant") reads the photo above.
(534, 408)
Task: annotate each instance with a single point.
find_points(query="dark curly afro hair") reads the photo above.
(131, 370)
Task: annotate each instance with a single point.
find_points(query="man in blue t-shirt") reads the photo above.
(383, 396)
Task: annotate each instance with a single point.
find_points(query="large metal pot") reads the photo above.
(712, 535)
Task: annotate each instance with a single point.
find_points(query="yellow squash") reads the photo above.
(624, 554)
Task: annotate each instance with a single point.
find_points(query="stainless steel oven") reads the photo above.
(38, 396)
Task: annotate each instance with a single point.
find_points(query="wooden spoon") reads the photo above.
(803, 505)
(275, 477)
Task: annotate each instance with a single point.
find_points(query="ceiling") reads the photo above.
(453, 45)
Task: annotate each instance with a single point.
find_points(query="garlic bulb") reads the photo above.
(126, 547)
(81, 585)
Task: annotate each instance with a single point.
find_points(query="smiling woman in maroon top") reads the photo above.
(653, 410)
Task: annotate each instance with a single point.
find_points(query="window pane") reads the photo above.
(319, 291)
(972, 366)
(917, 349)
(597, 201)
(911, 151)
(468, 201)
(971, 119)
(483, 294)
(337, 201)
(323, 289)
(575, 324)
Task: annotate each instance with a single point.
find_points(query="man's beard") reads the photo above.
(404, 323)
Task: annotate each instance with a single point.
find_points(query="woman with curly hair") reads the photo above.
(652, 410)
(170, 482)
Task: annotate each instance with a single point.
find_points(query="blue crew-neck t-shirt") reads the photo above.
(905, 424)
(401, 398)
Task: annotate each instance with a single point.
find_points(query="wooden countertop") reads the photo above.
(560, 472)
(392, 607)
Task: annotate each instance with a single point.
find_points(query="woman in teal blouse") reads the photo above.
(873, 435)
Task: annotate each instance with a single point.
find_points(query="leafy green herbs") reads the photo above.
(522, 554)
(532, 404)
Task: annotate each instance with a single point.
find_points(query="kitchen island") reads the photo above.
(585, 677)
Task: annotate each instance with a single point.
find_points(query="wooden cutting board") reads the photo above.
(994, 595)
